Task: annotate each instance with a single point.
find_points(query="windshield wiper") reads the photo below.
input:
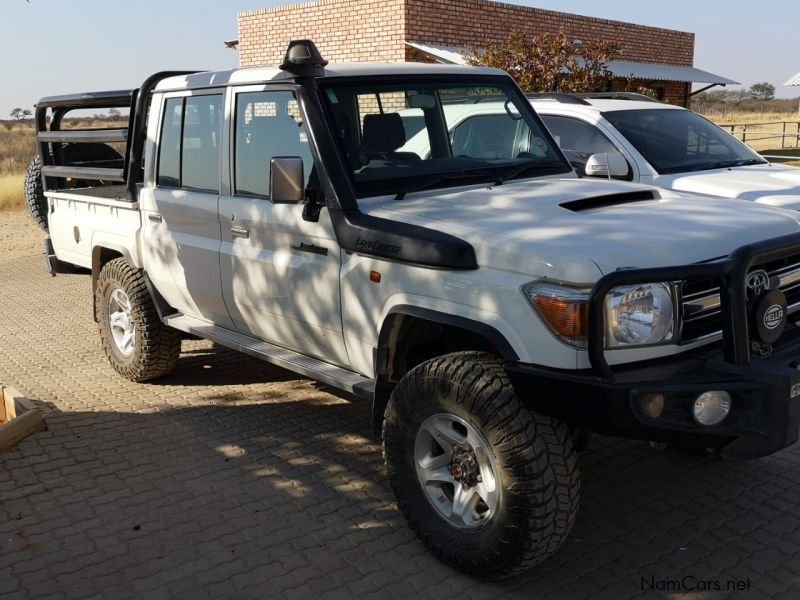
(437, 179)
(746, 162)
(723, 165)
(517, 171)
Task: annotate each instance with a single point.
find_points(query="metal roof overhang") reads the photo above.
(794, 80)
(619, 68)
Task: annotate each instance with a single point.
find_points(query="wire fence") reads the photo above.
(789, 134)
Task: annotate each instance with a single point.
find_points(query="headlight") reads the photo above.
(564, 310)
(639, 315)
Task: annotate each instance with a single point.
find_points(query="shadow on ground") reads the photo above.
(264, 492)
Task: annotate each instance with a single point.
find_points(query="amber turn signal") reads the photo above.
(569, 318)
(374, 277)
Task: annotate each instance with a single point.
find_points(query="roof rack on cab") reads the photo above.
(558, 97)
(617, 96)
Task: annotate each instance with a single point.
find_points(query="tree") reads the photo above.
(549, 62)
(114, 113)
(20, 114)
(762, 92)
(737, 97)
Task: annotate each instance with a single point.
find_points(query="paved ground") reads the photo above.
(233, 479)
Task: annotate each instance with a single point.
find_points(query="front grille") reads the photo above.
(701, 314)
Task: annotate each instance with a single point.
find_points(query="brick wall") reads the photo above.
(672, 92)
(376, 30)
(471, 22)
(347, 30)
(344, 30)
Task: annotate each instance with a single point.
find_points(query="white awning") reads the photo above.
(795, 80)
(658, 72)
(619, 68)
(443, 54)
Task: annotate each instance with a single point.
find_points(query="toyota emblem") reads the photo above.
(757, 283)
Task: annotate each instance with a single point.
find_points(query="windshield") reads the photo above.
(677, 141)
(400, 137)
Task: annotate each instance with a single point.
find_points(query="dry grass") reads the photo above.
(11, 194)
(17, 147)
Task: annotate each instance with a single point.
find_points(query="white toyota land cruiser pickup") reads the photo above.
(492, 307)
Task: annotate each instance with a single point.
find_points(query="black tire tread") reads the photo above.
(34, 193)
(158, 346)
(537, 453)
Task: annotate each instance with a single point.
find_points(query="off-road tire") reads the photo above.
(34, 193)
(536, 461)
(34, 190)
(157, 347)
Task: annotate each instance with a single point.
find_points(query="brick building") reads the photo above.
(439, 30)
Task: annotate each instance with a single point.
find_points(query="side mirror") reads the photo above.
(607, 164)
(286, 180)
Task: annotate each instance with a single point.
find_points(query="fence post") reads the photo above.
(783, 137)
(744, 133)
(797, 139)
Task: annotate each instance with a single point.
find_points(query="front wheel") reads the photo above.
(489, 487)
(136, 343)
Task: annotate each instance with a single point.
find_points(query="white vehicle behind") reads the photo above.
(645, 141)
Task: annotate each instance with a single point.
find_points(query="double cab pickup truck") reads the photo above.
(492, 306)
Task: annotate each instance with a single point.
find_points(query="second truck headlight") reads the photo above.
(639, 315)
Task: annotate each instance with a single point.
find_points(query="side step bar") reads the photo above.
(313, 368)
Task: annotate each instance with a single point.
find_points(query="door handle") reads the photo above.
(240, 232)
(155, 218)
(313, 248)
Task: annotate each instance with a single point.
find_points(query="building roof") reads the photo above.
(657, 72)
(619, 68)
(794, 80)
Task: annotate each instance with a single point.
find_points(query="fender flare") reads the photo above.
(97, 252)
(380, 397)
(496, 338)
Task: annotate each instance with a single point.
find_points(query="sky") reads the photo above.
(53, 47)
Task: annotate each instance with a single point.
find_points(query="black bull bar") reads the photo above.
(732, 273)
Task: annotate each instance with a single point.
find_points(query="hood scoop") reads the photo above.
(599, 202)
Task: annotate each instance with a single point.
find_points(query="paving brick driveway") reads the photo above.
(234, 479)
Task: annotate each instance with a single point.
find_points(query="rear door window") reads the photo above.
(189, 148)
(169, 154)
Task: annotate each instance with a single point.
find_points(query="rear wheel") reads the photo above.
(137, 344)
(489, 487)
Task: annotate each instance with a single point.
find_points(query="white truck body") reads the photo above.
(492, 305)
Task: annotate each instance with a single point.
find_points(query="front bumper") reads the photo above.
(765, 400)
(765, 390)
